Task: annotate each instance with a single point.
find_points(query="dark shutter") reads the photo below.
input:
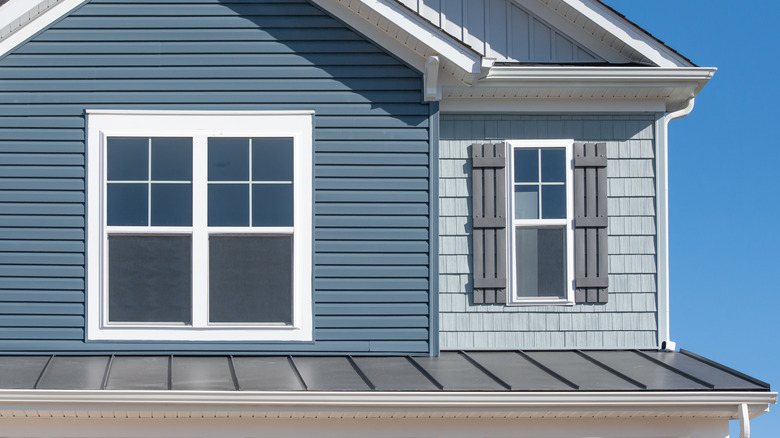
(590, 222)
(489, 222)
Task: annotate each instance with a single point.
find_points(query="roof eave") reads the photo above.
(675, 86)
(506, 404)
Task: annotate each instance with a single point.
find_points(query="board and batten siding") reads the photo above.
(628, 320)
(371, 159)
(502, 29)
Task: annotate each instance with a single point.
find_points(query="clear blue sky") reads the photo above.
(724, 168)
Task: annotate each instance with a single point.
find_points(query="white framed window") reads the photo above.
(199, 225)
(541, 239)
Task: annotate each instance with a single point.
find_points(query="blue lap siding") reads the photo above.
(371, 154)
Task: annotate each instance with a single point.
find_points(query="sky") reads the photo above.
(724, 179)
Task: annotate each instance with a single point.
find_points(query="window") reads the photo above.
(199, 225)
(541, 239)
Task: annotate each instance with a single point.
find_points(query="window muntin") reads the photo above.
(541, 242)
(195, 153)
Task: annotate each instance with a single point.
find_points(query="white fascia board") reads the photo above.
(37, 24)
(627, 33)
(608, 403)
(414, 27)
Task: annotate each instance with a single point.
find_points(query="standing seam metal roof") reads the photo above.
(530, 371)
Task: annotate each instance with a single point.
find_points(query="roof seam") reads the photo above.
(675, 370)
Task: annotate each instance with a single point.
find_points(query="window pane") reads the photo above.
(128, 204)
(172, 205)
(541, 262)
(272, 159)
(272, 205)
(250, 279)
(228, 159)
(526, 165)
(526, 202)
(228, 205)
(149, 279)
(553, 202)
(127, 159)
(554, 165)
(172, 159)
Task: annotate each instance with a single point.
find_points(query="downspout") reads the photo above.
(744, 421)
(662, 185)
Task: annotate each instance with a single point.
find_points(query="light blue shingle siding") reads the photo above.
(371, 174)
(628, 320)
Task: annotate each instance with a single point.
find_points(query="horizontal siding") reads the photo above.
(628, 320)
(371, 161)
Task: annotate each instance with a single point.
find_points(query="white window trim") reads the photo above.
(512, 298)
(199, 125)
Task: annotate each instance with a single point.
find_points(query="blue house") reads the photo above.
(345, 218)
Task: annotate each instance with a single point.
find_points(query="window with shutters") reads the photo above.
(541, 210)
(199, 225)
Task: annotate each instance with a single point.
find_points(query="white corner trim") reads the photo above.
(14, 11)
(432, 90)
(628, 34)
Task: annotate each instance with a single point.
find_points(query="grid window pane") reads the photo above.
(228, 205)
(172, 159)
(554, 165)
(127, 204)
(172, 205)
(526, 202)
(554, 202)
(526, 165)
(127, 159)
(272, 159)
(272, 205)
(149, 279)
(228, 159)
(540, 262)
(250, 279)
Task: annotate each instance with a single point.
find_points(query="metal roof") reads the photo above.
(518, 371)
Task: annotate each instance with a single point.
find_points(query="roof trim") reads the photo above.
(12, 12)
(673, 86)
(405, 33)
(628, 33)
(21, 403)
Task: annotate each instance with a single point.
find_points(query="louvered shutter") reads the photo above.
(489, 222)
(590, 223)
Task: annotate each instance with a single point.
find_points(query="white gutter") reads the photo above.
(693, 78)
(728, 402)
